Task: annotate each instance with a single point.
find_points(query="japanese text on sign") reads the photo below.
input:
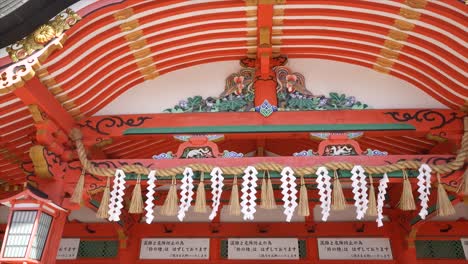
(354, 248)
(464, 242)
(263, 248)
(175, 248)
(68, 248)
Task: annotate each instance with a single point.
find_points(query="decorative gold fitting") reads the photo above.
(42, 72)
(148, 70)
(138, 44)
(416, 3)
(69, 105)
(251, 13)
(36, 113)
(127, 26)
(62, 98)
(123, 14)
(436, 138)
(142, 53)
(250, 2)
(403, 25)
(271, 2)
(145, 62)
(393, 45)
(49, 82)
(277, 22)
(381, 69)
(134, 35)
(56, 90)
(397, 35)
(75, 112)
(264, 35)
(277, 32)
(151, 76)
(251, 23)
(251, 42)
(390, 54)
(409, 14)
(276, 41)
(278, 12)
(384, 62)
(251, 33)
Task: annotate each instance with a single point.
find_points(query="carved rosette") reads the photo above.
(44, 34)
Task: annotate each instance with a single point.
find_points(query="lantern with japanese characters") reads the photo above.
(28, 236)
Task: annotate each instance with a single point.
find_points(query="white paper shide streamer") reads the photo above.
(186, 193)
(249, 182)
(288, 186)
(324, 186)
(116, 198)
(381, 199)
(216, 189)
(360, 191)
(424, 190)
(149, 208)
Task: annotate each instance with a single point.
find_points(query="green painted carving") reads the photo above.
(238, 96)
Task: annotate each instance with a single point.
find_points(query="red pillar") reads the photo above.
(404, 251)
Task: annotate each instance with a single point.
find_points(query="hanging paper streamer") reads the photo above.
(216, 189)
(150, 197)
(249, 183)
(288, 186)
(115, 205)
(381, 198)
(424, 190)
(360, 191)
(324, 186)
(186, 193)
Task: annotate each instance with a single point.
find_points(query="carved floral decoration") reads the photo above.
(43, 35)
(292, 94)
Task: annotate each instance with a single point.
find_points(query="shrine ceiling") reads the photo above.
(109, 47)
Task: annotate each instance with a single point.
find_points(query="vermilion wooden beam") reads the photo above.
(34, 92)
(424, 121)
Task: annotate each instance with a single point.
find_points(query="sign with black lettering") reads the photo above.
(354, 248)
(175, 248)
(263, 248)
(68, 248)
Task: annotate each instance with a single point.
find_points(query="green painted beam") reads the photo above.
(267, 129)
(276, 175)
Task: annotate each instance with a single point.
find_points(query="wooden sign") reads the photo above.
(464, 242)
(68, 248)
(354, 248)
(175, 248)
(263, 248)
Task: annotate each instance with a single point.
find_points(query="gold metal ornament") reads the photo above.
(44, 34)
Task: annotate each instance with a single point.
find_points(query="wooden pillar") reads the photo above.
(404, 251)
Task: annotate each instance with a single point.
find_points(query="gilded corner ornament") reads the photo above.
(43, 35)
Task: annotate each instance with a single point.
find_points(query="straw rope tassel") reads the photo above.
(303, 207)
(372, 210)
(103, 211)
(463, 188)
(263, 191)
(170, 206)
(339, 200)
(444, 205)
(234, 205)
(270, 202)
(200, 201)
(77, 196)
(407, 200)
(136, 204)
